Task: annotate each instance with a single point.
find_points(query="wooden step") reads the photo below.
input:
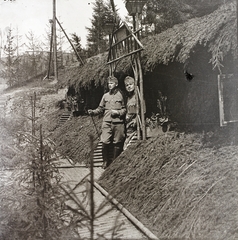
(63, 118)
(97, 154)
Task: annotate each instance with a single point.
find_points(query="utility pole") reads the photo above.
(55, 41)
(1, 44)
(237, 33)
(51, 45)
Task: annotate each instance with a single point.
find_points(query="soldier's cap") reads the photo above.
(112, 79)
(129, 79)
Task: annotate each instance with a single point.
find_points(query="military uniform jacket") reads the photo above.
(112, 100)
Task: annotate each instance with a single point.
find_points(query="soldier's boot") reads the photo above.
(105, 155)
(117, 149)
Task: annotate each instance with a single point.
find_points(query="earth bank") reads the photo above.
(180, 185)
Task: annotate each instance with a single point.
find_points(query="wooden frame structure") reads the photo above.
(228, 99)
(125, 43)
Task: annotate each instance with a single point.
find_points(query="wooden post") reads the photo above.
(139, 82)
(221, 102)
(91, 189)
(137, 90)
(55, 41)
(51, 44)
(77, 54)
(142, 106)
(236, 34)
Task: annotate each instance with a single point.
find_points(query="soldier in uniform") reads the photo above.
(113, 125)
(131, 122)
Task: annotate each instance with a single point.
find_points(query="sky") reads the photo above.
(33, 15)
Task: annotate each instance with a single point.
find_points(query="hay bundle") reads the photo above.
(178, 188)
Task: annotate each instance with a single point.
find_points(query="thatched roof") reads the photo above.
(95, 69)
(217, 31)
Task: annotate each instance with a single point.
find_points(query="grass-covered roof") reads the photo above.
(217, 31)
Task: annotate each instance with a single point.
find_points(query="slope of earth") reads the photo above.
(73, 138)
(16, 113)
(180, 185)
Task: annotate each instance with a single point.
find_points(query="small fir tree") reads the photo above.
(11, 62)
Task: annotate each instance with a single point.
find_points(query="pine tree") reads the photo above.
(10, 63)
(166, 13)
(76, 40)
(97, 37)
(33, 52)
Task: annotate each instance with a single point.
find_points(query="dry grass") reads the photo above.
(217, 31)
(73, 140)
(178, 187)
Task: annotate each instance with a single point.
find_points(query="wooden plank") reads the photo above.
(221, 102)
(126, 55)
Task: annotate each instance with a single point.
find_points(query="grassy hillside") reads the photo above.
(73, 138)
(180, 185)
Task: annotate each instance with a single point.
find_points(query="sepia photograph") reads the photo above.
(119, 119)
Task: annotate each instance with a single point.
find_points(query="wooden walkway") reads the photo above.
(114, 219)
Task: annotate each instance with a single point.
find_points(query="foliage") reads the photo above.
(30, 199)
(37, 202)
(20, 67)
(11, 64)
(97, 37)
(215, 30)
(165, 14)
(33, 52)
(76, 40)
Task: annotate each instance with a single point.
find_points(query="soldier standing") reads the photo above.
(113, 126)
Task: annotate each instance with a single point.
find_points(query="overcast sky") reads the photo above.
(34, 15)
